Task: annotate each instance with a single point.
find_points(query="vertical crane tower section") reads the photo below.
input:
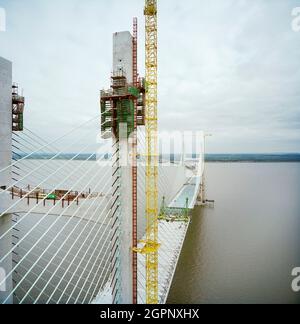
(151, 247)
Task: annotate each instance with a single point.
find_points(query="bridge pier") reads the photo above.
(5, 174)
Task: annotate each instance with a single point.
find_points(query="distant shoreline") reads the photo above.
(210, 158)
(250, 161)
(253, 158)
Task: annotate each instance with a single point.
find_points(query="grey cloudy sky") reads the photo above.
(230, 67)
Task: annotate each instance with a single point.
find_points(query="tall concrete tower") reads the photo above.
(5, 120)
(122, 54)
(5, 174)
(117, 119)
(122, 109)
(123, 62)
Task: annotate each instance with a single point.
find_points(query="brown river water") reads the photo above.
(244, 249)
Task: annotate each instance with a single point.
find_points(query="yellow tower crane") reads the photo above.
(152, 153)
(151, 244)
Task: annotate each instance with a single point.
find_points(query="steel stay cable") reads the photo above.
(48, 161)
(70, 132)
(79, 235)
(46, 213)
(40, 238)
(56, 186)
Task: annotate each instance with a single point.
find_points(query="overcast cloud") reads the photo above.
(229, 67)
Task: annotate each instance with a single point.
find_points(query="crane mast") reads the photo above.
(151, 244)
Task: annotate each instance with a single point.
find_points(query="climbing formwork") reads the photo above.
(118, 104)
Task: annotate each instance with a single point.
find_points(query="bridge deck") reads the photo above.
(189, 191)
(171, 237)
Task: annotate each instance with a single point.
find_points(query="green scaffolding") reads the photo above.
(125, 114)
(21, 122)
(170, 214)
(124, 111)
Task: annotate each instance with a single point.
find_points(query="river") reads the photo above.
(244, 249)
